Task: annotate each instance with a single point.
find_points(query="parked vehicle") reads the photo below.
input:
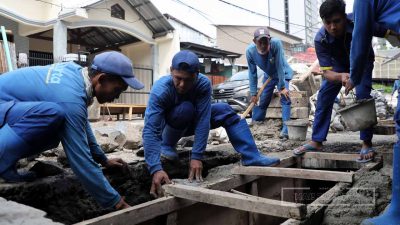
(236, 91)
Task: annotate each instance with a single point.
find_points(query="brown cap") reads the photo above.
(261, 32)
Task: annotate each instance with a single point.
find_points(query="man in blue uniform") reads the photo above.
(41, 106)
(180, 105)
(268, 54)
(332, 45)
(366, 14)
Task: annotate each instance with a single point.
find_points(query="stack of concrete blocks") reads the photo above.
(299, 109)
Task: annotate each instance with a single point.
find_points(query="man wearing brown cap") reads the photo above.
(268, 54)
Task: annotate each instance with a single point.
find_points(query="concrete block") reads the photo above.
(295, 113)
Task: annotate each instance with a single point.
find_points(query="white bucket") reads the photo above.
(297, 129)
(360, 116)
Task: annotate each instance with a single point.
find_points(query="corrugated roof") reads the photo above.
(150, 15)
(208, 52)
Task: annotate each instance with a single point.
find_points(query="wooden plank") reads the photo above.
(331, 156)
(295, 173)
(240, 202)
(130, 113)
(140, 213)
(150, 210)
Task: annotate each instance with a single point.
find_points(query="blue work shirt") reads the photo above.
(163, 98)
(366, 13)
(334, 53)
(63, 84)
(273, 64)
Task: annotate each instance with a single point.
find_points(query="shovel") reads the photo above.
(250, 107)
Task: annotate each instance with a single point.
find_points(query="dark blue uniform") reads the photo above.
(334, 54)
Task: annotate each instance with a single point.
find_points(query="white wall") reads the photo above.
(139, 53)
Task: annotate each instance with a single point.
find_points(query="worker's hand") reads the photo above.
(117, 162)
(196, 169)
(349, 86)
(285, 93)
(122, 204)
(159, 178)
(254, 99)
(345, 78)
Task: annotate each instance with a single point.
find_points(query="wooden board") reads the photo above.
(152, 209)
(236, 201)
(116, 109)
(295, 173)
(331, 156)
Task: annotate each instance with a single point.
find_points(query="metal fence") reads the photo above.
(130, 96)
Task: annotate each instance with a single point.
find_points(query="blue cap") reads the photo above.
(117, 64)
(187, 57)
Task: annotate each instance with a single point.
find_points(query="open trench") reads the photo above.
(65, 201)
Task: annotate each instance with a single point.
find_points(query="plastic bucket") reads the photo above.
(360, 115)
(297, 129)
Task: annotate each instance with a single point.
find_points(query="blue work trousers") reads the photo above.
(37, 126)
(182, 117)
(326, 98)
(260, 110)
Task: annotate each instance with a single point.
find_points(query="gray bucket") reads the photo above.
(360, 115)
(297, 129)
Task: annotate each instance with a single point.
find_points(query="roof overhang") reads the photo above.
(209, 52)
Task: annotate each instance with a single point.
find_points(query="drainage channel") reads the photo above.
(65, 200)
(315, 194)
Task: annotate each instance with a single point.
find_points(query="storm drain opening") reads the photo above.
(65, 200)
(289, 193)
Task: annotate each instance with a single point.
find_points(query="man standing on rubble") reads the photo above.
(366, 14)
(43, 105)
(268, 54)
(180, 105)
(332, 45)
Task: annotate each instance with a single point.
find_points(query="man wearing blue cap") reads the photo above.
(43, 105)
(268, 54)
(180, 105)
(366, 14)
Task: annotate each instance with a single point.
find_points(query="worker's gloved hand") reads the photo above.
(196, 169)
(117, 162)
(285, 93)
(122, 204)
(159, 178)
(345, 77)
(349, 86)
(254, 99)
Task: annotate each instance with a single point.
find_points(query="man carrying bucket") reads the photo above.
(332, 45)
(386, 13)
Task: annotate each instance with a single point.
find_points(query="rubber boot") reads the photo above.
(242, 141)
(391, 216)
(170, 137)
(13, 148)
(285, 117)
